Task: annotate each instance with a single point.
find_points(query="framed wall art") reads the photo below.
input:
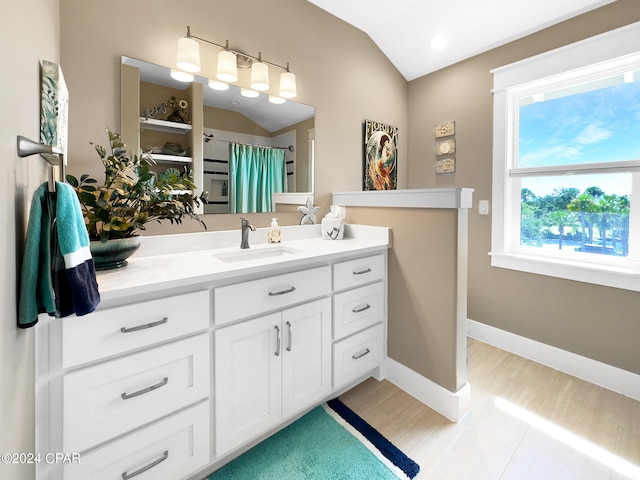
(54, 107)
(380, 156)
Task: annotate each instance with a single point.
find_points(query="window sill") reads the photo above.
(626, 278)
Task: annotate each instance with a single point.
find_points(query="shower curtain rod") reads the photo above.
(290, 147)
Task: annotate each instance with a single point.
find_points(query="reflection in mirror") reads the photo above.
(230, 118)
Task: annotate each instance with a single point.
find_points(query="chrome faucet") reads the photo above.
(245, 227)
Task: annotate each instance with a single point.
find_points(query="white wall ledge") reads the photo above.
(409, 198)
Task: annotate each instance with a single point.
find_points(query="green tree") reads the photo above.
(584, 205)
(556, 213)
(530, 225)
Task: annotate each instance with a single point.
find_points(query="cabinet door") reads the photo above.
(248, 380)
(306, 355)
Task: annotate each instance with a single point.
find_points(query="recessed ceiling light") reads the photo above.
(438, 41)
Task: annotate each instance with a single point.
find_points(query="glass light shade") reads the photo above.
(218, 85)
(247, 92)
(181, 76)
(188, 58)
(227, 69)
(260, 76)
(276, 100)
(288, 85)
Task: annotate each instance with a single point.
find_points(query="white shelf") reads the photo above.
(409, 198)
(161, 158)
(165, 126)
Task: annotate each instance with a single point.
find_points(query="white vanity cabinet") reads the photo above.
(172, 377)
(269, 368)
(127, 390)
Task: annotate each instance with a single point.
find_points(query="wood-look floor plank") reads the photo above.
(527, 422)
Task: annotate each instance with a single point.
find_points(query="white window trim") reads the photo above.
(617, 44)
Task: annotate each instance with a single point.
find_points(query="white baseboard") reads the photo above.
(452, 405)
(607, 376)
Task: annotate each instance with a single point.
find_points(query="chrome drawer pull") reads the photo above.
(358, 356)
(277, 341)
(127, 476)
(361, 309)
(145, 326)
(362, 272)
(127, 396)
(282, 292)
(290, 336)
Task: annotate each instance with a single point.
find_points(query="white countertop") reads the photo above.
(177, 268)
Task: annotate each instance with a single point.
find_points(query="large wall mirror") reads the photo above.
(203, 141)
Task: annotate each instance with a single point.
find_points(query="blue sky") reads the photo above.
(596, 126)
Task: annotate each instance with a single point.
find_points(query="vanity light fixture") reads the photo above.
(276, 100)
(188, 60)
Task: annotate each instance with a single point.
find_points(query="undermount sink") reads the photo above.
(254, 254)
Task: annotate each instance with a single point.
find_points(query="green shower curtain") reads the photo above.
(255, 173)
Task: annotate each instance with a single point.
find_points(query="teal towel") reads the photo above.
(58, 275)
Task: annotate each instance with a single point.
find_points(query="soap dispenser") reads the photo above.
(275, 234)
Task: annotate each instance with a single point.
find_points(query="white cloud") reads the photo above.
(593, 133)
(550, 155)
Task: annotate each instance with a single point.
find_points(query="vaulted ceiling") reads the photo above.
(405, 29)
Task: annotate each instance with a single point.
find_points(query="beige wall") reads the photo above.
(35, 23)
(424, 331)
(597, 322)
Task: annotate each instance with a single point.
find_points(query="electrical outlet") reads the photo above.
(483, 207)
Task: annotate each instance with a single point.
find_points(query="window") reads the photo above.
(566, 174)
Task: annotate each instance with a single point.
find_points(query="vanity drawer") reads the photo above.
(358, 272)
(120, 329)
(246, 299)
(357, 355)
(357, 309)
(172, 448)
(109, 399)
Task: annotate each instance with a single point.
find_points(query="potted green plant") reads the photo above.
(131, 196)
